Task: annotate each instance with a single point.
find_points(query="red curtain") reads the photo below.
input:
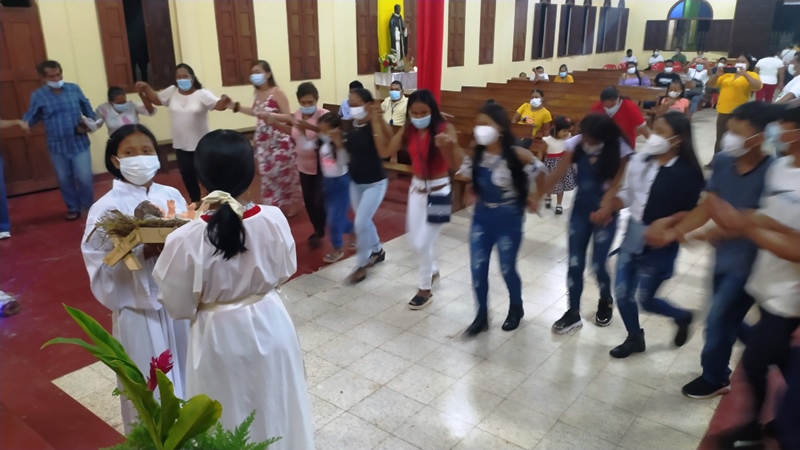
(430, 38)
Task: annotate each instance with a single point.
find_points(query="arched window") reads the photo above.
(691, 9)
(688, 24)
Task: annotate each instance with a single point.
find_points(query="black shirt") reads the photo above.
(366, 166)
(664, 79)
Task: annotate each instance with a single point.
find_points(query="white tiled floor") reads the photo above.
(384, 377)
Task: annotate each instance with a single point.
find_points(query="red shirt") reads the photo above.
(418, 148)
(628, 118)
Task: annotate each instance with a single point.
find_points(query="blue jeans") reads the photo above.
(729, 305)
(501, 226)
(337, 203)
(641, 276)
(5, 220)
(581, 230)
(74, 174)
(366, 199)
(695, 103)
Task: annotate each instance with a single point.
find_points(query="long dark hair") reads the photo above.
(197, 84)
(113, 143)
(224, 162)
(604, 129)
(265, 65)
(425, 96)
(499, 115)
(682, 127)
(638, 75)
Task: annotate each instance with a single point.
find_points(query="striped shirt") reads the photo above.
(61, 114)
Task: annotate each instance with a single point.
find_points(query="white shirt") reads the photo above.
(768, 69)
(114, 119)
(501, 174)
(555, 146)
(702, 75)
(333, 167)
(189, 115)
(793, 87)
(639, 179)
(775, 282)
(656, 59)
(543, 76)
(626, 59)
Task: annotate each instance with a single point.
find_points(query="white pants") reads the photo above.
(422, 234)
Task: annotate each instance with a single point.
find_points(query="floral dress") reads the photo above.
(275, 160)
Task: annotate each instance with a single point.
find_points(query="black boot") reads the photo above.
(480, 324)
(634, 343)
(515, 314)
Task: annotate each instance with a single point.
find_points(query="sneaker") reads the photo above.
(634, 343)
(700, 389)
(605, 312)
(571, 320)
(5, 234)
(682, 335)
(377, 257)
(750, 435)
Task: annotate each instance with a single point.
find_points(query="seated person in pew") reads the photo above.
(674, 100)
(394, 107)
(655, 58)
(633, 77)
(521, 76)
(533, 113)
(629, 57)
(667, 77)
(563, 75)
(539, 75)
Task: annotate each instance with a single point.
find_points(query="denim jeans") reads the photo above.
(788, 415)
(501, 226)
(5, 220)
(366, 199)
(695, 103)
(337, 203)
(581, 230)
(729, 304)
(74, 174)
(640, 275)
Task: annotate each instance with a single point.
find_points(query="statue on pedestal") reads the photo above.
(399, 34)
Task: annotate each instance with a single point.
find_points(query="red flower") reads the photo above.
(385, 63)
(162, 363)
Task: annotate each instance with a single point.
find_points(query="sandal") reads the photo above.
(331, 258)
(358, 276)
(72, 215)
(547, 202)
(559, 210)
(352, 247)
(435, 277)
(377, 257)
(419, 302)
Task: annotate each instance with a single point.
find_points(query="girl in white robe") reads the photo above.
(139, 322)
(223, 273)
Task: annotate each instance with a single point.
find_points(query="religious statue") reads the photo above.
(399, 34)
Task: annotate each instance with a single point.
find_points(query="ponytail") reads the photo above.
(225, 231)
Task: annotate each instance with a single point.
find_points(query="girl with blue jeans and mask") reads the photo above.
(599, 155)
(502, 177)
(332, 167)
(424, 131)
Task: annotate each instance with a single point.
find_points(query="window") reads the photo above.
(612, 29)
(576, 35)
(520, 30)
(410, 15)
(456, 29)
(137, 42)
(303, 29)
(367, 36)
(486, 42)
(544, 30)
(688, 26)
(236, 35)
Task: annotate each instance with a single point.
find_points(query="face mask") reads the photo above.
(395, 95)
(55, 84)
(656, 145)
(185, 85)
(733, 145)
(120, 108)
(655, 53)
(358, 112)
(485, 135)
(258, 79)
(668, 69)
(700, 68)
(592, 149)
(562, 74)
(536, 102)
(421, 122)
(612, 111)
(139, 170)
(792, 69)
(721, 65)
(742, 66)
(308, 110)
(632, 70)
(325, 138)
(674, 94)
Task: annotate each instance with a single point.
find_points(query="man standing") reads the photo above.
(394, 107)
(62, 106)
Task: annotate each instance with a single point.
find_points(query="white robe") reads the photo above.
(139, 322)
(244, 350)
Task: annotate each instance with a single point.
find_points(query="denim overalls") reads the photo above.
(588, 196)
(497, 220)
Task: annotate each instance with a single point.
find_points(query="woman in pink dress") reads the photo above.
(272, 142)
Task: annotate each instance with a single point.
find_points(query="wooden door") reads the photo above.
(27, 163)
(159, 42)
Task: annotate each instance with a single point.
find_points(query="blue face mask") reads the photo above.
(422, 122)
(185, 85)
(395, 95)
(55, 84)
(120, 108)
(308, 110)
(772, 135)
(258, 79)
(562, 74)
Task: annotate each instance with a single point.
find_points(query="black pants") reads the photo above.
(311, 186)
(722, 127)
(188, 174)
(768, 344)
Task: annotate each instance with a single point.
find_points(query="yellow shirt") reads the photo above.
(558, 79)
(394, 113)
(734, 91)
(537, 117)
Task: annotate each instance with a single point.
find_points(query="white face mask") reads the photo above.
(733, 145)
(139, 170)
(668, 69)
(721, 65)
(792, 68)
(536, 102)
(485, 135)
(612, 111)
(631, 70)
(656, 145)
(673, 94)
(358, 112)
(742, 66)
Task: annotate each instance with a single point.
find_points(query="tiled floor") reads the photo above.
(384, 377)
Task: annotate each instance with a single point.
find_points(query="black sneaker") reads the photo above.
(377, 257)
(605, 312)
(634, 343)
(750, 435)
(702, 389)
(571, 320)
(682, 335)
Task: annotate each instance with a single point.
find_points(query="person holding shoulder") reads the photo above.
(534, 114)
(625, 112)
(674, 100)
(633, 77)
(189, 105)
(699, 59)
(563, 75)
(539, 75)
(119, 111)
(395, 105)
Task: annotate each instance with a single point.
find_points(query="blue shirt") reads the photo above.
(61, 114)
(344, 110)
(742, 191)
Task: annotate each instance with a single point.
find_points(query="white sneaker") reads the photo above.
(5, 234)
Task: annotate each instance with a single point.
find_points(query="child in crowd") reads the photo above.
(674, 100)
(556, 146)
(118, 111)
(333, 160)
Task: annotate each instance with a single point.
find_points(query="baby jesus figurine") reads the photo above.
(147, 210)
